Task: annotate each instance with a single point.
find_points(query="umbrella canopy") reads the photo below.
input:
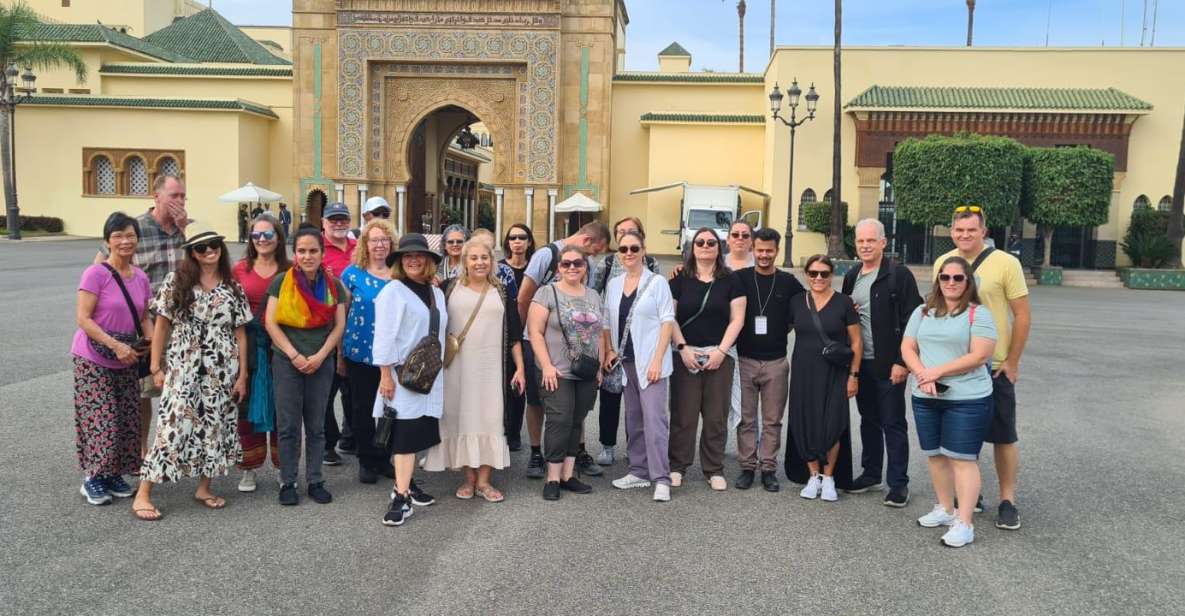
(577, 203)
(250, 194)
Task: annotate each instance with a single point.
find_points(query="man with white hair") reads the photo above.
(885, 294)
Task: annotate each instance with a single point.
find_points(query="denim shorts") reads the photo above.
(952, 428)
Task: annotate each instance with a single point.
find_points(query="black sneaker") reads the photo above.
(1007, 517)
(862, 484)
(535, 468)
(398, 511)
(978, 504)
(769, 481)
(419, 497)
(572, 484)
(318, 493)
(331, 458)
(897, 497)
(288, 495)
(347, 446)
(586, 466)
(745, 480)
(367, 474)
(515, 443)
(551, 491)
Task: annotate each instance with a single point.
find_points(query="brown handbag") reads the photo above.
(425, 361)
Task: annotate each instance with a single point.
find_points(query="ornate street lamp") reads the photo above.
(793, 94)
(467, 140)
(12, 95)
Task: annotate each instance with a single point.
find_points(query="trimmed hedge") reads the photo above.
(1146, 242)
(932, 176)
(49, 224)
(817, 217)
(1066, 187)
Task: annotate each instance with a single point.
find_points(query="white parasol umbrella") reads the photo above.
(251, 194)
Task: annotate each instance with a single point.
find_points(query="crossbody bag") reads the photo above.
(837, 354)
(614, 381)
(419, 370)
(452, 344)
(137, 341)
(585, 367)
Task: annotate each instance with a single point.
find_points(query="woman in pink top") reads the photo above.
(107, 347)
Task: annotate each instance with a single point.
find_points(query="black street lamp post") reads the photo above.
(12, 95)
(775, 103)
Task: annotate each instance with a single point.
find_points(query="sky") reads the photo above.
(708, 28)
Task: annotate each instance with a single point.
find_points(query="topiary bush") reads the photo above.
(817, 217)
(932, 176)
(1066, 187)
(1146, 242)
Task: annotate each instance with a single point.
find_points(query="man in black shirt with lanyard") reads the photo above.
(765, 371)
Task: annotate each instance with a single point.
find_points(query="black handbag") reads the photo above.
(425, 361)
(584, 367)
(837, 353)
(137, 342)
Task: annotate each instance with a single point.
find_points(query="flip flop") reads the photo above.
(136, 514)
(211, 502)
(491, 494)
(465, 492)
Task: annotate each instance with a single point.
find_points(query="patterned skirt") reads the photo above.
(106, 419)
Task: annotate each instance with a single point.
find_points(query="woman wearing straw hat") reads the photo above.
(202, 313)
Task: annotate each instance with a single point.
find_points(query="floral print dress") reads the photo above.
(195, 433)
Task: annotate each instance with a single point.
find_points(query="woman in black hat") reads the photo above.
(404, 311)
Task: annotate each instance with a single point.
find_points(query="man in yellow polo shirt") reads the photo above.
(1003, 290)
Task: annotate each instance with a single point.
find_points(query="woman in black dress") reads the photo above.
(819, 390)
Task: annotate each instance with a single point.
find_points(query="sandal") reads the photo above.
(465, 492)
(154, 514)
(211, 502)
(491, 494)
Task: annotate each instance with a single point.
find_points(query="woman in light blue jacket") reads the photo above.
(641, 317)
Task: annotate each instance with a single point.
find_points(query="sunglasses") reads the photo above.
(572, 264)
(519, 238)
(739, 235)
(950, 277)
(339, 220)
(454, 242)
(633, 248)
(381, 213)
(706, 243)
(824, 274)
(265, 236)
(974, 209)
(204, 246)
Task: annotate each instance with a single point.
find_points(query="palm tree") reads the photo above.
(773, 5)
(741, 26)
(835, 245)
(16, 23)
(1176, 229)
(970, 20)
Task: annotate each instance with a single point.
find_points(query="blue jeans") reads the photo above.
(952, 428)
(883, 427)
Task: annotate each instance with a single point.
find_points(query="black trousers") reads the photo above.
(609, 418)
(883, 427)
(332, 433)
(364, 386)
(513, 407)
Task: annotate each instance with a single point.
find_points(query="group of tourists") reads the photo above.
(441, 357)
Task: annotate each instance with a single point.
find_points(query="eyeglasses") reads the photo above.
(634, 248)
(739, 235)
(454, 242)
(572, 264)
(204, 246)
(824, 274)
(381, 213)
(706, 243)
(265, 236)
(950, 277)
(382, 241)
(518, 238)
(340, 220)
(974, 209)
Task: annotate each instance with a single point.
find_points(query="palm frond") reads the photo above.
(14, 20)
(46, 56)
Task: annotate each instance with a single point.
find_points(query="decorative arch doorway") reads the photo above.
(314, 205)
(450, 155)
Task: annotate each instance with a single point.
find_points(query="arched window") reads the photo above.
(827, 195)
(1166, 203)
(1142, 202)
(808, 196)
(104, 175)
(168, 166)
(137, 176)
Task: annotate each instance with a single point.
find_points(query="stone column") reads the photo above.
(363, 194)
(340, 192)
(401, 205)
(552, 193)
(498, 214)
(529, 192)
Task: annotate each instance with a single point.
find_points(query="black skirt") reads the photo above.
(414, 435)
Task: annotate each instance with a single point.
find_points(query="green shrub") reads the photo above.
(49, 224)
(1147, 250)
(932, 176)
(1066, 187)
(817, 216)
(1148, 221)
(485, 216)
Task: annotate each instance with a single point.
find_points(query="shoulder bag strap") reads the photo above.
(603, 283)
(433, 315)
(979, 260)
(563, 330)
(629, 318)
(702, 305)
(810, 304)
(127, 297)
(473, 315)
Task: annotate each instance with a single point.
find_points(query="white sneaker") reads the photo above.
(829, 493)
(247, 483)
(662, 492)
(676, 479)
(631, 481)
(937, 517)
(605, 458)
(959, 535)
(811, 490)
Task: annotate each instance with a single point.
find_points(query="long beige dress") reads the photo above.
(471, 430)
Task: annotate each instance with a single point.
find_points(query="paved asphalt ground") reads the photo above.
(1101, 501)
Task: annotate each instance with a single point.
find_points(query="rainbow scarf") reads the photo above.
(303, 305)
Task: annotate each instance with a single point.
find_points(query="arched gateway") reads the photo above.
(536, 73)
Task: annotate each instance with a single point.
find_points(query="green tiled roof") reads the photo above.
(155, 103)
(207, 36)
(690, 77)
(714, 118)
(674, 49)
(1036, 99)
(95, 33)
(200, 71)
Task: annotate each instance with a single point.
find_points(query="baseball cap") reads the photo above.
(335, 209)
(375, 203)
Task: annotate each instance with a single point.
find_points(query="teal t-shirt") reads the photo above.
(944, 339)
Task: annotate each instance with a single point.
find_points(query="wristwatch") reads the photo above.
(680, 346)
(854, 375)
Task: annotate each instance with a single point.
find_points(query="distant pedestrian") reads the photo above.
(286, 219)
(243, 222)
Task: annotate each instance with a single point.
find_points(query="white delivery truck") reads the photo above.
(715, 207)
